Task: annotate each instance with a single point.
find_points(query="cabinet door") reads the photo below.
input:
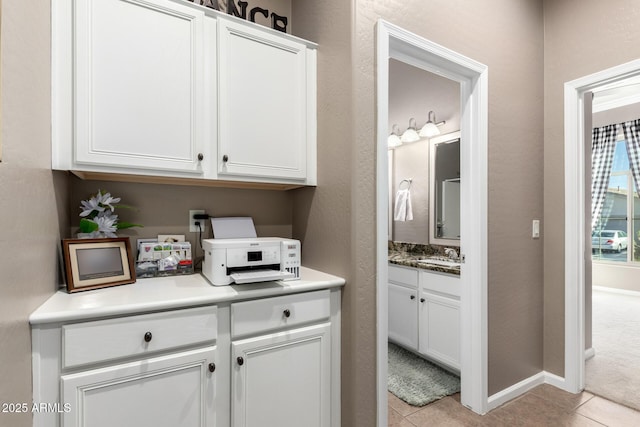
(403, 316)
(282, 379)
(168, 391)
(139, 84)
(440, 328)
(262, 103)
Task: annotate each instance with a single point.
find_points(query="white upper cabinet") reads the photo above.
(138, 94)
(263, 103)
(168, 88)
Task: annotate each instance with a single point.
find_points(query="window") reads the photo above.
(615, 237)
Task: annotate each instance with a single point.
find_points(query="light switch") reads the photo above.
(535, 229)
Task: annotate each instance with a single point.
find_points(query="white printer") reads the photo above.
(250, 260)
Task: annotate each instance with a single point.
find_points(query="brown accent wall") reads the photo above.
(33, 200)
(580, 38)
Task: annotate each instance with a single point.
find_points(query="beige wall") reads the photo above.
(32, 198)
(164, 209)
(581, 38)
(324, 217)
(413, 93)
(339, 216)
(508, 38)
(336, 220)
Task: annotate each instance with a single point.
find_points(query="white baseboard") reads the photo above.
(515, 390)
(616, 291)
(524, 386)
(554, 380)
(589, 353)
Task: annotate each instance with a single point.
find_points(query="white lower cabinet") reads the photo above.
(440, 328)
(403, 316)
(145, 370)
(283, 378)
(173, 390)
(424, 313)
(263, 362)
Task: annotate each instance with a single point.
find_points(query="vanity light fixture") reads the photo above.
(430, 129)
(394, 139)
(411, 134)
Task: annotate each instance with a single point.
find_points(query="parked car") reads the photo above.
(609, 240)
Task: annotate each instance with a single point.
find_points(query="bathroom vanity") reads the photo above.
(177, 351)
(424, 310)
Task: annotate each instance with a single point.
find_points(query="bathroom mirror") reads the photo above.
(444, 200)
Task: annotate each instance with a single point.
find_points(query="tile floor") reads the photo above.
(543, 406)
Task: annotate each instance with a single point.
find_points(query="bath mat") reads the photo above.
(416, 380)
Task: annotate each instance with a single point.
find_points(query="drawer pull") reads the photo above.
(286, 312)
(413, 297)
(240, 361)
(422, 299)
(148, 336)
(212, 367)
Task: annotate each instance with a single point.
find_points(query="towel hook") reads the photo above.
(407, 181)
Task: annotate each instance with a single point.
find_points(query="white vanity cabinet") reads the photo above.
(281, 361)
(129, 88)
(168, 89)
(153, 370)
(424, 313)
(439, 313)
(403, 303)
(266, 104)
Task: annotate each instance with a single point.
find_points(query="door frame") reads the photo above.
(575, 235)
(398, 43)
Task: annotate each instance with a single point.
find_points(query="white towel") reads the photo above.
(403, 211)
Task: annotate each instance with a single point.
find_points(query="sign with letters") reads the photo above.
(269, 13)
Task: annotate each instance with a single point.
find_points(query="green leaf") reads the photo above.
(87, 226)
(121, 224)
(125, 207)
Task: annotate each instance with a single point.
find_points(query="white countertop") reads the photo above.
(164, 293)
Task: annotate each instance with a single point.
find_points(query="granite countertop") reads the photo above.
(409, 254)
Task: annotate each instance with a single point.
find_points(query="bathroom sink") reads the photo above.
(440, 262)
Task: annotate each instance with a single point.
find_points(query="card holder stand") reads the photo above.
(164, 259)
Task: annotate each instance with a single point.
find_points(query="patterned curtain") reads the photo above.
(603, 144)
(632, 136)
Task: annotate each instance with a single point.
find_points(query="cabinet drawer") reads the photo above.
(443, 283)
(104, 340)
(405, 276)
(269, 314)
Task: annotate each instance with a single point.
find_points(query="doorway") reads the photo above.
(396, 43)
(611, 333)
(577, 229)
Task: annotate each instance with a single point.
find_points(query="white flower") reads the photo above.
(88, 206)
(106, 224)
(106, 200)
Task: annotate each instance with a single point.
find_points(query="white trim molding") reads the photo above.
(575, 247)
(510, 393)
(395, 42)
(524, 386)
(618, 291)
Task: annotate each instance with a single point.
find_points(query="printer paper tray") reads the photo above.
(260, 276)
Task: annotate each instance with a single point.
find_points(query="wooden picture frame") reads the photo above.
(98, 263)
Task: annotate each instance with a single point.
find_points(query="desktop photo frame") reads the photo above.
(98, 263)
